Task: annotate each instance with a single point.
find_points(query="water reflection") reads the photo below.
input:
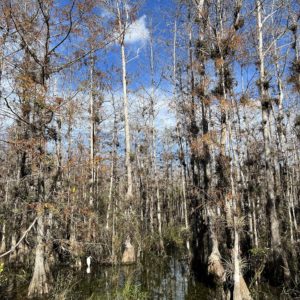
(154, 278)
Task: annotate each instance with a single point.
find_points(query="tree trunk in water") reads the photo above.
(129, 253)
(240, 289)
(128, 256)
(39, 284)
(215, 266)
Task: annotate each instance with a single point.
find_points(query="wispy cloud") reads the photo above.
(137, 32)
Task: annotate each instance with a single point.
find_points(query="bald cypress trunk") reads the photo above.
(122, 31)
(128, 257)
(39, 284)
(275, 239)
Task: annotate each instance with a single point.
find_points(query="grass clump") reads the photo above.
(131, 291)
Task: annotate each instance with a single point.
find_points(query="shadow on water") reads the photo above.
(154, 278)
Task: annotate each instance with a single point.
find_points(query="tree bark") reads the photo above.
(275, 239)
(122, 31)
(39, 284)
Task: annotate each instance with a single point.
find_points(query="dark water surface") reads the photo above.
(156, 278)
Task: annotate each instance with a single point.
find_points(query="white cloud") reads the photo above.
(137, 32)
(165, 116)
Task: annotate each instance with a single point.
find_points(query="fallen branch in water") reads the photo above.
(21, 239)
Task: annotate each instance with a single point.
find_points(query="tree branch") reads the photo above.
(69, 29)
(21, 239)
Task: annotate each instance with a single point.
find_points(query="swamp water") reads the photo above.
(156, 278)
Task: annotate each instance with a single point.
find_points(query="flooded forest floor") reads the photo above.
(154, 277)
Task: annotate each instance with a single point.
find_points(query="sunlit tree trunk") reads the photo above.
(122, 31)
(265, 108)
(39, 284)
(128, 254)
(92, 131)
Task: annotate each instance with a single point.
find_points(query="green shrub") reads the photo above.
(131, 291)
